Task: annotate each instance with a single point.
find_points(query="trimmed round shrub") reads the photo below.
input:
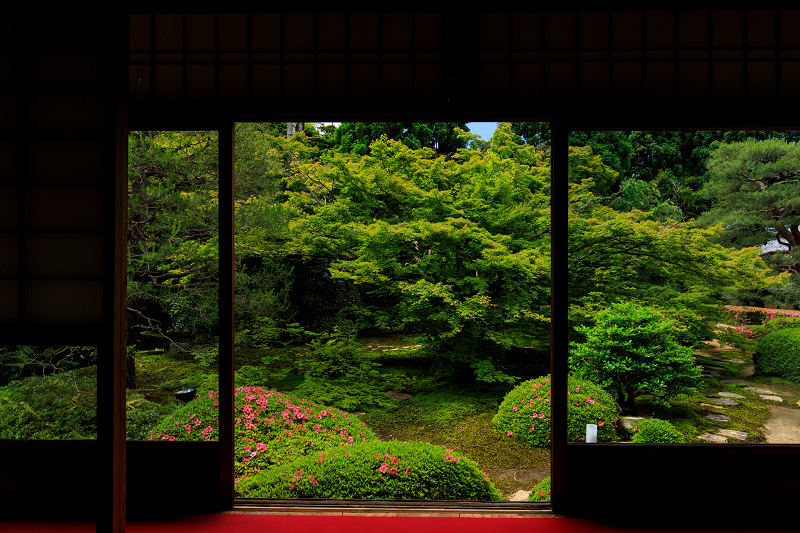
(654, 430)
(778, 354)
(524, 414)
(540, 492)
(270, 428)
(375, 470)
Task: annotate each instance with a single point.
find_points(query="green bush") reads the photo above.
(143, 414)
(782, 322)
(540, 492)
(375, 470)
(524, 413)
(270, 428)
(58, 406)
(655, 430)
(633, 350)
(778, 353)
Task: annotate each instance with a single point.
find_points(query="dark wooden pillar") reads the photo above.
(559, 216)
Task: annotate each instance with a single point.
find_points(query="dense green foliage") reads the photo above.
(442, 137)
(391, 470)
(57, 406)
(541, 491)
(632, 350)
(758, 201)
(270, 428)
(524, 413)
(654, 430)
(778, 354)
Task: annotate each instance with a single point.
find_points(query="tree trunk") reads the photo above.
(294, 127)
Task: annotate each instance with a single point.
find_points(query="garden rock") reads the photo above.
(717, 418)
(771, 398)
(735, 382)
(731, 395)
(723, 401)
(714, 406)
(759, 391)
(399, 396)
(739, 435)
(629, 421)
(710, 373)
(716, 439)
(736, 360)
(520, 496)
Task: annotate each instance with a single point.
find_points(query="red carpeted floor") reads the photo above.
(231, 523)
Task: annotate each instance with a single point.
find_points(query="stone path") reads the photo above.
(782, 428)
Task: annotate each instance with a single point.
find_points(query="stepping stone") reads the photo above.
(717, 418)
(740, 435)
(759, 391)
(770, 398)
(736, 360)
(399, 396)
(520, 496)
(731, 395)
(734, 382)
(714, 406)
(715, 439)
(629, 421)
(723, 401)
(710, 373)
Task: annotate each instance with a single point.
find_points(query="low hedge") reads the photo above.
(654, 430)
(524, 414)
(270, 428)
(778, 354)
(375, 470)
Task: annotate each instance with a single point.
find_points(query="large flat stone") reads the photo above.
(736, 360)
(731, 395)
(711, 373)
(739, 435)
(759, 391)
(520, 496)
(771, 398)
(723, 401)
(714, 406)
(629, 421)
(717, 418)
(716, 439)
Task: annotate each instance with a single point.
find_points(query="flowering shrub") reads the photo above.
(778, 353)
(655, 430)
(525, 412)
(739, 315)
(541, 492)
(270, 428)
(375, 470)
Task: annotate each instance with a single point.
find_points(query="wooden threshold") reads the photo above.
(394, 508)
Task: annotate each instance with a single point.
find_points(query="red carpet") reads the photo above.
(229, 523)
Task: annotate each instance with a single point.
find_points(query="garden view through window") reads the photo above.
(683, 287)
(392, 303)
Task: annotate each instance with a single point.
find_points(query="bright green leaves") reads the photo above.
(632, 350)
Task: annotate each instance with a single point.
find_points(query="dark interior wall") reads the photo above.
(62, 144)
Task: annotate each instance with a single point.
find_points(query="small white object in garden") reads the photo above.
(591, 432)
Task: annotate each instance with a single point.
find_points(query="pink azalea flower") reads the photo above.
(393, 470)
(383, 468)
(509, 433)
